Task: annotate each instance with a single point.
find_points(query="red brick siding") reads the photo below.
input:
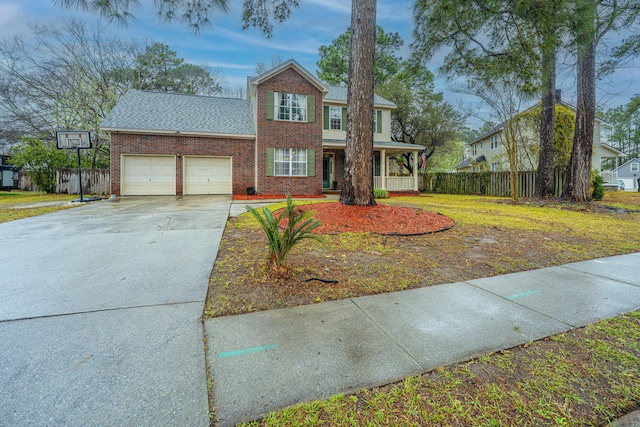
(285, 134)
(240, 150)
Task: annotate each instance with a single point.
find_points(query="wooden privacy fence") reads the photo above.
(94, 181)
(487, 183)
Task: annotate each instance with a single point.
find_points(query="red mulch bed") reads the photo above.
(381, 219)
(272, 196)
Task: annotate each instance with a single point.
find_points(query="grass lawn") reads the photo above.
(23, 204)
(490, 237)
(584, 377)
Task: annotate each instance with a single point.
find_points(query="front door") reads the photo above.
(327, 170)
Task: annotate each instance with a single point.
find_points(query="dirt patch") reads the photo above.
(366, 264)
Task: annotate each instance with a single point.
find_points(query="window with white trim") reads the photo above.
(375, 121)
(335, 117)
(494, 166)
(474, 149)
(290, 162)
(635, 167)
(494, 141)
(291, 107)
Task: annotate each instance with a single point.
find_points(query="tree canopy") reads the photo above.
(159, 68)
(333, 66)
(194, 14)
(70, 75)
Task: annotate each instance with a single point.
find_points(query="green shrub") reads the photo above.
(379, 193)
(299, 226)
(598, 188)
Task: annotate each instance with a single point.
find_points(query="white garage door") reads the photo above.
(148, 175)
(207, 175)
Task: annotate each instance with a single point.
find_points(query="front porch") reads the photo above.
(387, 176)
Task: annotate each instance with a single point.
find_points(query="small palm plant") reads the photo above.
(298, 227)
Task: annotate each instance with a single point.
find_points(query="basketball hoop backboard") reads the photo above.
(72, 139)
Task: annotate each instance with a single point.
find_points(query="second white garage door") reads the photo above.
(148, 175)
(207, 175)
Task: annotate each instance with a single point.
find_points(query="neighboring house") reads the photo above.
(629, 173)
(488, 151)
(287, 136)
(8, 173)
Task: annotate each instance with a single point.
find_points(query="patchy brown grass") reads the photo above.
(23, 204)
(491, 236)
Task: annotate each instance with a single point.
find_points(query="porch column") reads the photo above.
(383, 168)
(415, 171)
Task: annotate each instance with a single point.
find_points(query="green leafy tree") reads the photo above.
(624, 130)
(422, 117)
(40, 160)
(159, 68)
(498, 38)
(333, 66)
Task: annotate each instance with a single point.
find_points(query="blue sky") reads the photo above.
(235, 52)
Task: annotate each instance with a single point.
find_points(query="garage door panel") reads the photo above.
(207, 175)
(148, 175)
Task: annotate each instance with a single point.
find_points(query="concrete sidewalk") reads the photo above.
(269, 360)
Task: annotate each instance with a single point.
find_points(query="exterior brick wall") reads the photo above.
(286, 134)
(240, 150)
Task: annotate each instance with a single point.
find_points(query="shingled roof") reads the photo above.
(339, 93)
(177, 113)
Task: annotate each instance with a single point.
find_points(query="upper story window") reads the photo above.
(635, 167)
(494, 141)
(377, 121)
(481, 145)
(290, 162)
(335, 118)
(474, 149)
(292, 107)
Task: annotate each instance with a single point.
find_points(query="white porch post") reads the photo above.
(383, 168)
(415, 171)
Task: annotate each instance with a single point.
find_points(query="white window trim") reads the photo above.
(634, 167)
(288, 159)
(289, 106)
(337, 111)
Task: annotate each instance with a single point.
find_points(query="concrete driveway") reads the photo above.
(100, 311)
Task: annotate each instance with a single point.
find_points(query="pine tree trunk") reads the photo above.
(578, 185)
(544, 186)
(357, 188)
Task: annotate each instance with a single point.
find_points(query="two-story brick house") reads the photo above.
(288, 136)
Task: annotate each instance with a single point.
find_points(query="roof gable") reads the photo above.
(291, 63)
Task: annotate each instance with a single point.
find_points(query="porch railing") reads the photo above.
(395, 183)
(609, 176)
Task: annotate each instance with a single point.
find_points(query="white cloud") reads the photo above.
(299, 45)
